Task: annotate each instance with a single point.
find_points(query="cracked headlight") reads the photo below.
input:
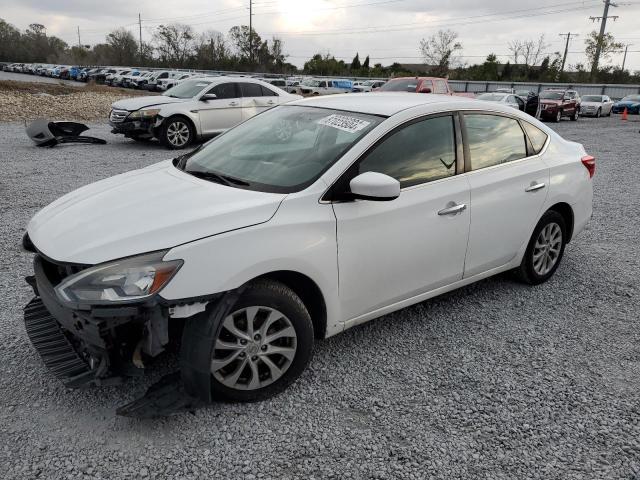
(144, 114)
(125, 280)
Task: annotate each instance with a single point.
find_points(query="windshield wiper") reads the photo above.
(216, 177)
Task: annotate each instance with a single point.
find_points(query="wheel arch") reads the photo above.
(566, 211)
(308, 291)
(172, 115)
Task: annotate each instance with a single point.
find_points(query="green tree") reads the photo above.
(174, 44)
(355, 63)
(365, 64)
(123, 48)
(608, 45)
(441, 51)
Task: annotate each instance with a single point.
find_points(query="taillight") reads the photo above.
(589, 163)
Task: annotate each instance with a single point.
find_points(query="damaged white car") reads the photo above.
(300, 223)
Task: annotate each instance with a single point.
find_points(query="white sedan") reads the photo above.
(195, 108)
(596, 106)
(257, 245)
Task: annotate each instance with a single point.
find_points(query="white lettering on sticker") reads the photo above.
(344, 123)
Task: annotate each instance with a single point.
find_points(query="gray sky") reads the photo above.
(385, 29)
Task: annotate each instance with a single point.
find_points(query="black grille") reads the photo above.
(56, 272)
(51, 343)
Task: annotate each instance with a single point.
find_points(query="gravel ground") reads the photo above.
(497, 380)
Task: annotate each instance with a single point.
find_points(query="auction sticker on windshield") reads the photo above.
(344, 123)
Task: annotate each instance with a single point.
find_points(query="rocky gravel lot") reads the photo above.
(496, 381)
(29, 98)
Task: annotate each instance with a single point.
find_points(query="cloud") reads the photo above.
(389, 30)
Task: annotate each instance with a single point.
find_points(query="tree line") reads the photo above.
(179, 46)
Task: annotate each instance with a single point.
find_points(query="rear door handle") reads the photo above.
(534, 186)
(453, 209)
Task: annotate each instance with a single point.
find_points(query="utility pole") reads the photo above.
(140, 37)
(603, 26)
(79, 43)
(250, 31)
(624, 59)
(566, 49)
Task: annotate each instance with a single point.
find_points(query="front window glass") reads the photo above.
(187, 89)
(493, 140)
(281, 150)
(250, 90)
(224, 90)
(408, 85)
(552, 95)
(421, 152)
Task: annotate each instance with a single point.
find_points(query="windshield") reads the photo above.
(631, 98)
(283, 149)
(523, 93)
(592, 98)
(492, 97)
(552, 95)
(311, 83)
(187, 89)
(408, 85)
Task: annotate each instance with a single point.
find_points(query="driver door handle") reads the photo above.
(534, 186)
(233, 104)
(453, 209)
(271, 102)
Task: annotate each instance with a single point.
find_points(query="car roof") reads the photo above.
(386, 103)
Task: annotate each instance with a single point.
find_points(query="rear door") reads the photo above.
(222, 113)
(255, 99)
(508, 184)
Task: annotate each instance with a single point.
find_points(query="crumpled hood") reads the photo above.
(141, 211)
(137, 103)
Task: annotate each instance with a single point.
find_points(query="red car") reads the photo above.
(558, 103)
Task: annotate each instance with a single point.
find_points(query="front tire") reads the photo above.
(598, 113)
(575, 115)
(545, 249)
(176, 133)
(263, 345)
(558, 116)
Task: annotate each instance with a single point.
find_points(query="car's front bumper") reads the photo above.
(129, 128)
(84, 345)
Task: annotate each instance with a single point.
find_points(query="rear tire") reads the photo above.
(272, 309)
(575, 115)
(558, 116)
(545, 249)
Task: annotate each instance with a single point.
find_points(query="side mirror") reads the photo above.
(208, 96)
(375, 186)
(424, 90)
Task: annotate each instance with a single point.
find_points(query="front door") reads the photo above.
(222, 113)
(508, 190)
(394, 250)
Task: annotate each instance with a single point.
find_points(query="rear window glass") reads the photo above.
(493, 140)
(400, 86)
(536, 136)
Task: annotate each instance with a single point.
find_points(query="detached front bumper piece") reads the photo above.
(57, 352)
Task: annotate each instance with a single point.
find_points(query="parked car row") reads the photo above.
(557, 103)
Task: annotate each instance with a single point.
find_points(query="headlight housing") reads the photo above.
(144, 114)
(127, 280)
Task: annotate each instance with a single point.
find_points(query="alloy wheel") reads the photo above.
(546, 250)
(254, 348)
(178, 133)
